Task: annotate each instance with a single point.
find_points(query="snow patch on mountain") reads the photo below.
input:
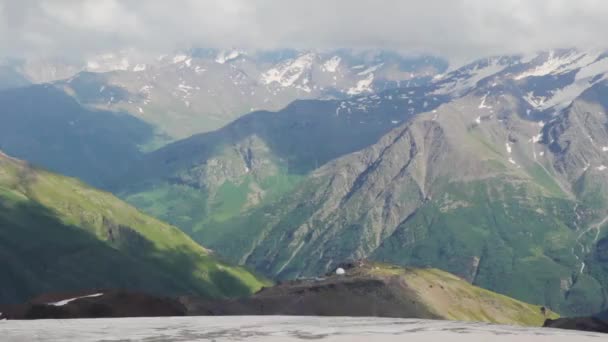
(458, 84)
(179, 59)
(107, 62)
(289, 72)
(591, 69)
(227, 56)
(67, 301)
(483, 105)
(559, 64)
(332, 64)
(364, 85)
(370, 70)
(139, 68)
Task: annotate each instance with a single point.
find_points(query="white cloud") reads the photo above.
(453, 28)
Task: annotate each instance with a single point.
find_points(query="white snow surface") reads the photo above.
(67, 301)
(279, 328)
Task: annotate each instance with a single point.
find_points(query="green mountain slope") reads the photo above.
(510, 203)
(215, 177)
(56, 234)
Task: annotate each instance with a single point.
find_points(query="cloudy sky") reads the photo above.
(451, 28)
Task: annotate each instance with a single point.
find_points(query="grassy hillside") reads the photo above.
(381, 290)
(453, 298)
(59, 234)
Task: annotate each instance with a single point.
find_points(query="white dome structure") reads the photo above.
(340, 271)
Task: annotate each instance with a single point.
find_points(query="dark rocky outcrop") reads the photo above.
(102, 304)
(598, 323)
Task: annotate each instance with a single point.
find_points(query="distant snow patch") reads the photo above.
(179, 58)
(508, 146)
(362, 86)
(224, 56)
(478, 120)
(139, 67)
(463, 83)
(589, 68)
(482, 105)
(370, 70)
(288, 72)
(605, 149)
(601, 168)
(332, 64)
(558, 64)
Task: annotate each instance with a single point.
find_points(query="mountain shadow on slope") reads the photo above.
(46, 126)
(39, 254)
(56, 234)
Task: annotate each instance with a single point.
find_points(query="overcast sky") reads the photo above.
(450, 28)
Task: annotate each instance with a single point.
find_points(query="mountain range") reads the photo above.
(505, 161)
(495, 171)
